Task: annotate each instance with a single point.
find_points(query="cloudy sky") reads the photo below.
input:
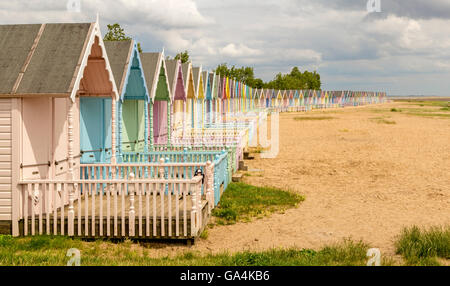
(404, 49)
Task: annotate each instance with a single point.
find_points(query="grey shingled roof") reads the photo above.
(205, 80)
(53, 63)
(184, 69)
(118, 53)
(150, 64)
(15, 44)
(172, 72)
(196, 74)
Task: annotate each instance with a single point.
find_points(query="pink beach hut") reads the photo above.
(57, 97)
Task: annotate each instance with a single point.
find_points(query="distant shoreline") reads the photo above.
(419, 97)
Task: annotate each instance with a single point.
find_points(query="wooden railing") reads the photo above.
(172, 165)
(139, 208)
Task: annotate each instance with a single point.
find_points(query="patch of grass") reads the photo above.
(423, 114)
(304, 118)
(395, 110)
(204, 234)
(257, 150)
(100, 253)
(241, 202)
(423, 247)
(252, 175)
(382, 120)
(344, 130)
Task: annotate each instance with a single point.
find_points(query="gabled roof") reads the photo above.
(197, 73)
(275, 93)
(262, 92)
(176, 79)
(212, 85)
(205, 77)
(50, 59)
(154, 64)
(125, 61)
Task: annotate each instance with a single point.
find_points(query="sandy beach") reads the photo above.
(362, 178)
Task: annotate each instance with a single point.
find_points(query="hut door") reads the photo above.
(95, 129)
(37, 136)
(133, 125)
(160, 118)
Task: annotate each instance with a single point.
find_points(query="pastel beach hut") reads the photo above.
(132, 111)
(209, 96)
(178, 92)
(268, 97)
(190, 94)
(262, 98)
(216, 98)
(197, 114)
(47, 70)
(276, 96)
(155, 73)
(292, 98)
(207, 92)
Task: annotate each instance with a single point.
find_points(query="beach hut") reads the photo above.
(209, 95)
(255, 99)
(207, 98)
(178, 92)
(216, 97)
(190, 94)
(132, 109)
(268, 97)
(47, 70)
(199, 97)
(155, 72)
(292, 98)
(276, 95)
(262, 98)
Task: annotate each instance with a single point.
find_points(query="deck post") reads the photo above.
(70, 136)
(131, 222)
(209, 185)
(113, 133)
(194, 207)
(71, 214)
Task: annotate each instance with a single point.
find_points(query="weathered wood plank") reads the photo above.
(5, 114)
(5, 216)
(5, 158)
(5, 180)
(5, 136)
(5, 187)
(5, 202)
(5, 143)
(5, 195)
(6, 121)
(5, 128)
(5, 173)
(5, 210)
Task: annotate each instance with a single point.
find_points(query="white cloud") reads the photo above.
(239, 50)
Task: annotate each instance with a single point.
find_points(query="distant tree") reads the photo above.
(116, 33)
(183, 57)
(245, 75)
(295, 80)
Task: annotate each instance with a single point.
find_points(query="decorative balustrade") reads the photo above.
(113, 207)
